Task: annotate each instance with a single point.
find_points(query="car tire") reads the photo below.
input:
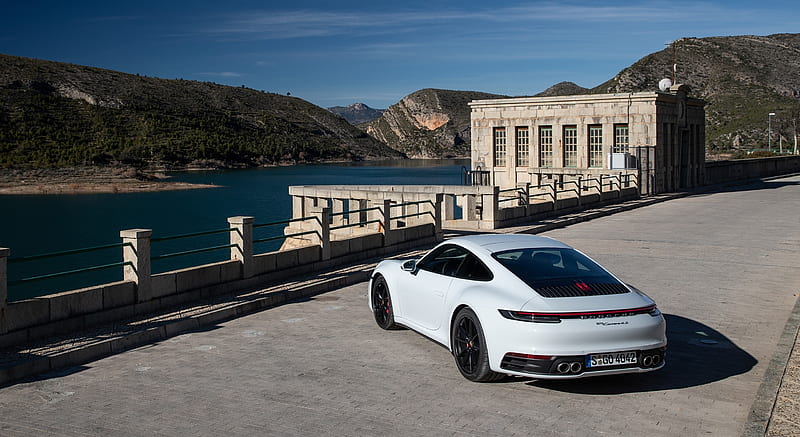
(382, 304)
(468, 345)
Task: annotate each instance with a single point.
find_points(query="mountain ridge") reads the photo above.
(357, 113)
(429, 123)
(55, 114)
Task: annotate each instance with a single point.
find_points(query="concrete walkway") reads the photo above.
(706, 259)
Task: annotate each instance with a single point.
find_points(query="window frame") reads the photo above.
(570, 150)
(546, 147)
(621, 146)
(594, 134)
(500, 146)
(523, 146)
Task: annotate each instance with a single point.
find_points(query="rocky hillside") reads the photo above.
(429, 123)
(357, 113)
(54, 114)
(563, 89)
(743, 78)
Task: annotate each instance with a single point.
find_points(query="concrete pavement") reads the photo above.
(721, 266)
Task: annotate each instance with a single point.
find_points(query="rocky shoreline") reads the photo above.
(87, 180)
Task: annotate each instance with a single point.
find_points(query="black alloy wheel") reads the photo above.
(469, 348)
(382, 304)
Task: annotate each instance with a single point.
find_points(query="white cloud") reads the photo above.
(321, 23)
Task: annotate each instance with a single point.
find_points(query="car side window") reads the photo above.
(445, 261)
(473, 269)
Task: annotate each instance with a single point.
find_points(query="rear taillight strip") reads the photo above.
(556, 317)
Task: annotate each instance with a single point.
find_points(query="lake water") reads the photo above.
(32, 225)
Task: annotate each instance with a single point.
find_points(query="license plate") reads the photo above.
(611, 359)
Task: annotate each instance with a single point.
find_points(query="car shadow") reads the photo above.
(696, 355)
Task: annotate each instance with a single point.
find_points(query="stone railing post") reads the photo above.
(136, 252)
(241, 236)
(298, 206)
(4, 253)
(527, 195)
(555, 195)
(437, 216)
(386, 222)
(323, 228)
(469, 208)
(491, 207)
(449, 208)
(338, 208)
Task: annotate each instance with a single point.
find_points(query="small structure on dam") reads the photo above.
(657, 137)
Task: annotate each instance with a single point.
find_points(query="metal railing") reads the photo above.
(416, 214)
(29, 279)
(283, 236)
(358, 223)
(192, 251)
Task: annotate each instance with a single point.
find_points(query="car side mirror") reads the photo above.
(410, 266)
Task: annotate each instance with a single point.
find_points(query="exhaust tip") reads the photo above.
(656, 360)
(563, 367)
(647, 361)
(575, 367)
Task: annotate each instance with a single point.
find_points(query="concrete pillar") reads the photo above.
(527, 195)
(323, 227)
(137, 253)
(580, 190)
(468, 208)
(555, 195)
(449, 208)
(309, 206)
(491, 207)
(386, 222)
(4, 254)
(242, 237)
(437, 216)
(337, 207)
(297, 206)
(357, 205)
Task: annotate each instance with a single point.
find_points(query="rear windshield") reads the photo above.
(547, 267)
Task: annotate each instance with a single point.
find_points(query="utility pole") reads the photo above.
(769, 132)
(674, 62)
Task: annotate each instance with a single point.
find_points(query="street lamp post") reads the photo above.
(769, 141)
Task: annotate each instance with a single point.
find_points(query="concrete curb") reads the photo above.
(761, 411)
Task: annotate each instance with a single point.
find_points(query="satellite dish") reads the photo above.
(664, 84)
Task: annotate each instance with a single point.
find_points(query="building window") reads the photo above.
(570, 146)
(523, 146)
(545, 146)
(595, 146)
(620, 138)
(499, 147)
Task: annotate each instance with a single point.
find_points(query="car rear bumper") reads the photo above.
(540, 349)
(567, 367)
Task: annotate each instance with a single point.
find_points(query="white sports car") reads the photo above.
(521, 305)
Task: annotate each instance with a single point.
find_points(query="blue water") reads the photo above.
(32, 225)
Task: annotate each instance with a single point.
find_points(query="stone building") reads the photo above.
(657, 137)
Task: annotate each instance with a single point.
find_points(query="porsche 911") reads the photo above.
(507, 304)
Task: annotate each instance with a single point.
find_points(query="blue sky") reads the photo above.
(341, 52)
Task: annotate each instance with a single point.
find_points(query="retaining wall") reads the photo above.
(718, 172)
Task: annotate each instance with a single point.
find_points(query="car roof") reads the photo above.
(499, 242)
